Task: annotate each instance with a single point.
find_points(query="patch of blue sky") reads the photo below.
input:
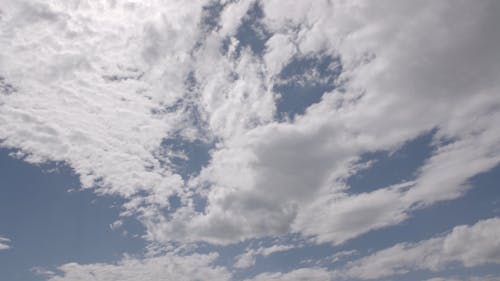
(50, 226)
(303, 82)
(251, 33)
(188, 156)
(390, 168)
(211, 15)
(481, 202)
(174, 202)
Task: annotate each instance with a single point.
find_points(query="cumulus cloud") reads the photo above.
(468, 245)
(166, 267)
(101, 85)
(277, 177)
(84, 87)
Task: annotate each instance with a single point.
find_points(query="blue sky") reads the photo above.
(249, 140)
(54, 222)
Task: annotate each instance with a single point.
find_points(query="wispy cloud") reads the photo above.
(469, 245)
(248, 258)
(4, 243)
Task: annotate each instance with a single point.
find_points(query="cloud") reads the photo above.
(89, 90)
(468, 245)
(301, 274)
(276, 178)
(353, 215)
(342, 255)
(472, 278)
(100, 86)
(104, 85)
(166, 267)
(4, 243)
(248, 258)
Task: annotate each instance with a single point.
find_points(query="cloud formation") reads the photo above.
(468, 245)
(4, 243)
(301, 274)
(108, 86)
(166, 267)
(247, 259)
(105, 108)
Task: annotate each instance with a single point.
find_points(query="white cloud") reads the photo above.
(232, 16)
(469, 245)
(277, 177)
(350, 216)
(116, 225)
(87, 83)
(248, 258)
(302, 274)
(341, 255)
(4, 243)
(101, 84)
(40, 271)
(166, 267)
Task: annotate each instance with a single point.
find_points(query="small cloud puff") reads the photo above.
(4, 243)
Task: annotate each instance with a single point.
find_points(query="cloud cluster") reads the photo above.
(91, 89)
(104, 85)
(468, 245)
(167, 267)
(281, 177)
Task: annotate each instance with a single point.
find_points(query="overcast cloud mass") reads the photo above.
(250, 140)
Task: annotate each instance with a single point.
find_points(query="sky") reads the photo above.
(249, 140)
